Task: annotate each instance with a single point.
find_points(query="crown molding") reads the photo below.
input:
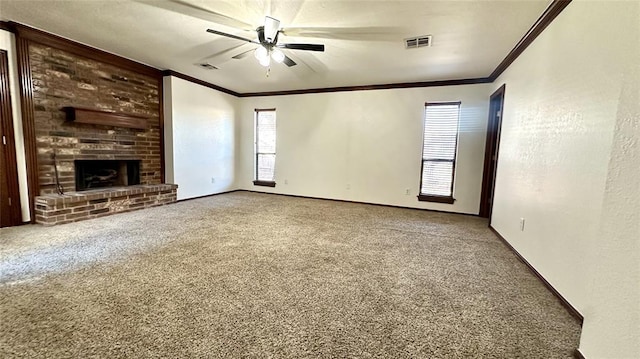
(403, 85)
(31, 34)
(200, 82)
(554, 9)
(4, 25)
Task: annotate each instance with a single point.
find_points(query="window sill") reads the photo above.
(264, 183)
(437, 199)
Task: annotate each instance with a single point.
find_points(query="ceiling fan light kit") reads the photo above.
(265, 55)
(262, 54)
(268, 40)
(277, 56)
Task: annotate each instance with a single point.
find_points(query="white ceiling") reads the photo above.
(470, 38)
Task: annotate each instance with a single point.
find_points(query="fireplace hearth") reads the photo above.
(93, 174)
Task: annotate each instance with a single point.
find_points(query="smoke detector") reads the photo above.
(418, 41)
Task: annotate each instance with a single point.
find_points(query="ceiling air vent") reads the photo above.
(418, 41)
(207, 66)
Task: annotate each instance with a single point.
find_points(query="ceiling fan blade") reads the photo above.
(307, 47)
(243, 54)
(231, 36)
(370, 33)
(185, 8)
(287, 61)
(223, 52)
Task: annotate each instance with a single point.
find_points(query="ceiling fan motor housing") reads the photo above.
(264, 41)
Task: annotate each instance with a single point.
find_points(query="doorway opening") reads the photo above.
(494, 125)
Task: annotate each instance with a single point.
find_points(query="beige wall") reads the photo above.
(200, 135)
(560, 160)
(365, 145)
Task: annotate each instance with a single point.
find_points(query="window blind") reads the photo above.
(265, 145)
(439, 149)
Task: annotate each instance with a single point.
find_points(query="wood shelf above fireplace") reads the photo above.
(98, 117)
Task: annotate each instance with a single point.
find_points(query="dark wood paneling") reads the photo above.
(97, 117)
(562, 300)
(28, 121)
(199, 82)
(554, 9)
(370, 87)
(45, 38)
(11, 213)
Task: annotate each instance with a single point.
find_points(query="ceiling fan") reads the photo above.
(269, 48)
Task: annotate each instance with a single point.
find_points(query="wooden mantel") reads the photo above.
(106, 118)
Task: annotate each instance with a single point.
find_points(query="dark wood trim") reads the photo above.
(11, 212)
(403, 85)
(48, 39)
(329, 199)
(209, 195)
(106, 118)
(554, 9)
(562, 300)
(491, 148)
(436, 199)
(578, 354)
(71, 46)
(264, 109)
(443, 103)
(359, 202)
(199, 82)
(28, 122)
(264, 183)
(4, 25)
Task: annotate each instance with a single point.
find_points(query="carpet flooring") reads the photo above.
(248, 275)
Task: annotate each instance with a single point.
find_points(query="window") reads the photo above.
(265, 147)
(439, 147)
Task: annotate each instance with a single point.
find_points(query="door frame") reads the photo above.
(10, 208)
(492, 146)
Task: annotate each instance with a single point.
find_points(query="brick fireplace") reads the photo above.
(98, 137)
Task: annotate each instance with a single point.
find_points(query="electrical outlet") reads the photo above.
(406, 191)
(522, 224)
(213, 180)
(348, 186)
(286, 181)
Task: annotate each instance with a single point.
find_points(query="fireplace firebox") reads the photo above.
(92, 174)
